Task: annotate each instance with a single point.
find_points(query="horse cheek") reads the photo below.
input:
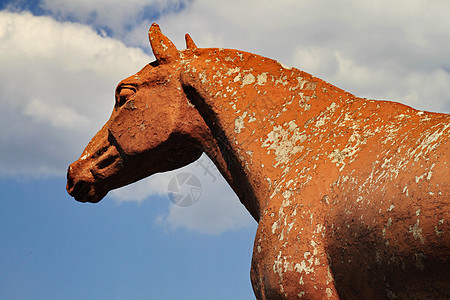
(125, 133)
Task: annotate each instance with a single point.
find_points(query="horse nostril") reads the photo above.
(69, 186)
(73, 187)
(70, 181)
(106, 162)
(100, 152)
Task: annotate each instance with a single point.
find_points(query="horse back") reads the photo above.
(387, 210)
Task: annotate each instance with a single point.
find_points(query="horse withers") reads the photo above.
(351, 195)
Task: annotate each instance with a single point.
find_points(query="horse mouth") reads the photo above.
(84, 191)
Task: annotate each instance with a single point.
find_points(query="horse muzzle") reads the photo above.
(84, 191)
(91, 177)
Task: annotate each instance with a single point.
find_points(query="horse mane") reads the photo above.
(224, 67)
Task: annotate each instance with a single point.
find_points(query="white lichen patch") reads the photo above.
(282, 265)
(239, 123)
(417, 232)
(306, 266)
(329, 292)
(337, 156)
(300, 85)
(275, 226)
(285, 67)
(405, 191)
(284, 142)
(232, 71)
(282, 80)
(438, 228)
(329, 276)
(429, 142)
(351, 148)
(261, 79)
(430, 173)
(164, 46)
(248, 79)
(322, 121)
(203, 77)
(419, 178)
(278, 266)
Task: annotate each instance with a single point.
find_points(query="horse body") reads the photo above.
(333, 175)
(350, 194)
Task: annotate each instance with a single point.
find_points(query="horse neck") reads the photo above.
(258, 112)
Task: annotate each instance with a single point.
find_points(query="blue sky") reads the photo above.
(60, 62)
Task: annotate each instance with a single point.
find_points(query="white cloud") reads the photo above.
(57, 85)
(217, 210)
(116, 16)
(422, 89)
(377, 49)
(58, 116)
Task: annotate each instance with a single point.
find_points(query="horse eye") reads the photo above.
(125, 93)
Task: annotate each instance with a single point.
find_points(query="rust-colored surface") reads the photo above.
(351, 195)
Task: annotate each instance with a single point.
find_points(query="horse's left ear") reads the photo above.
(189, 42)
(163, 48)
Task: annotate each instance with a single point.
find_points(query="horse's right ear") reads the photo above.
(163, 48)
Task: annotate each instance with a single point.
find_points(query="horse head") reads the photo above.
(153, 128)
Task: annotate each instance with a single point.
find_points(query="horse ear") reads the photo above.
(163, 48)
(189, 42)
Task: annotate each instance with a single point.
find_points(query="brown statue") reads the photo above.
(351, 195)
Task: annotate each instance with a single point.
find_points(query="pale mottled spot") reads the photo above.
(248, 79)
(262, 78)
(239, 123)
(391, 207)
(284, 142)
(417, 232)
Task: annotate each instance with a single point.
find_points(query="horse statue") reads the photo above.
(351, 195)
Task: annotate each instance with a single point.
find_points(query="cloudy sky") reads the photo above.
(60, 62)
